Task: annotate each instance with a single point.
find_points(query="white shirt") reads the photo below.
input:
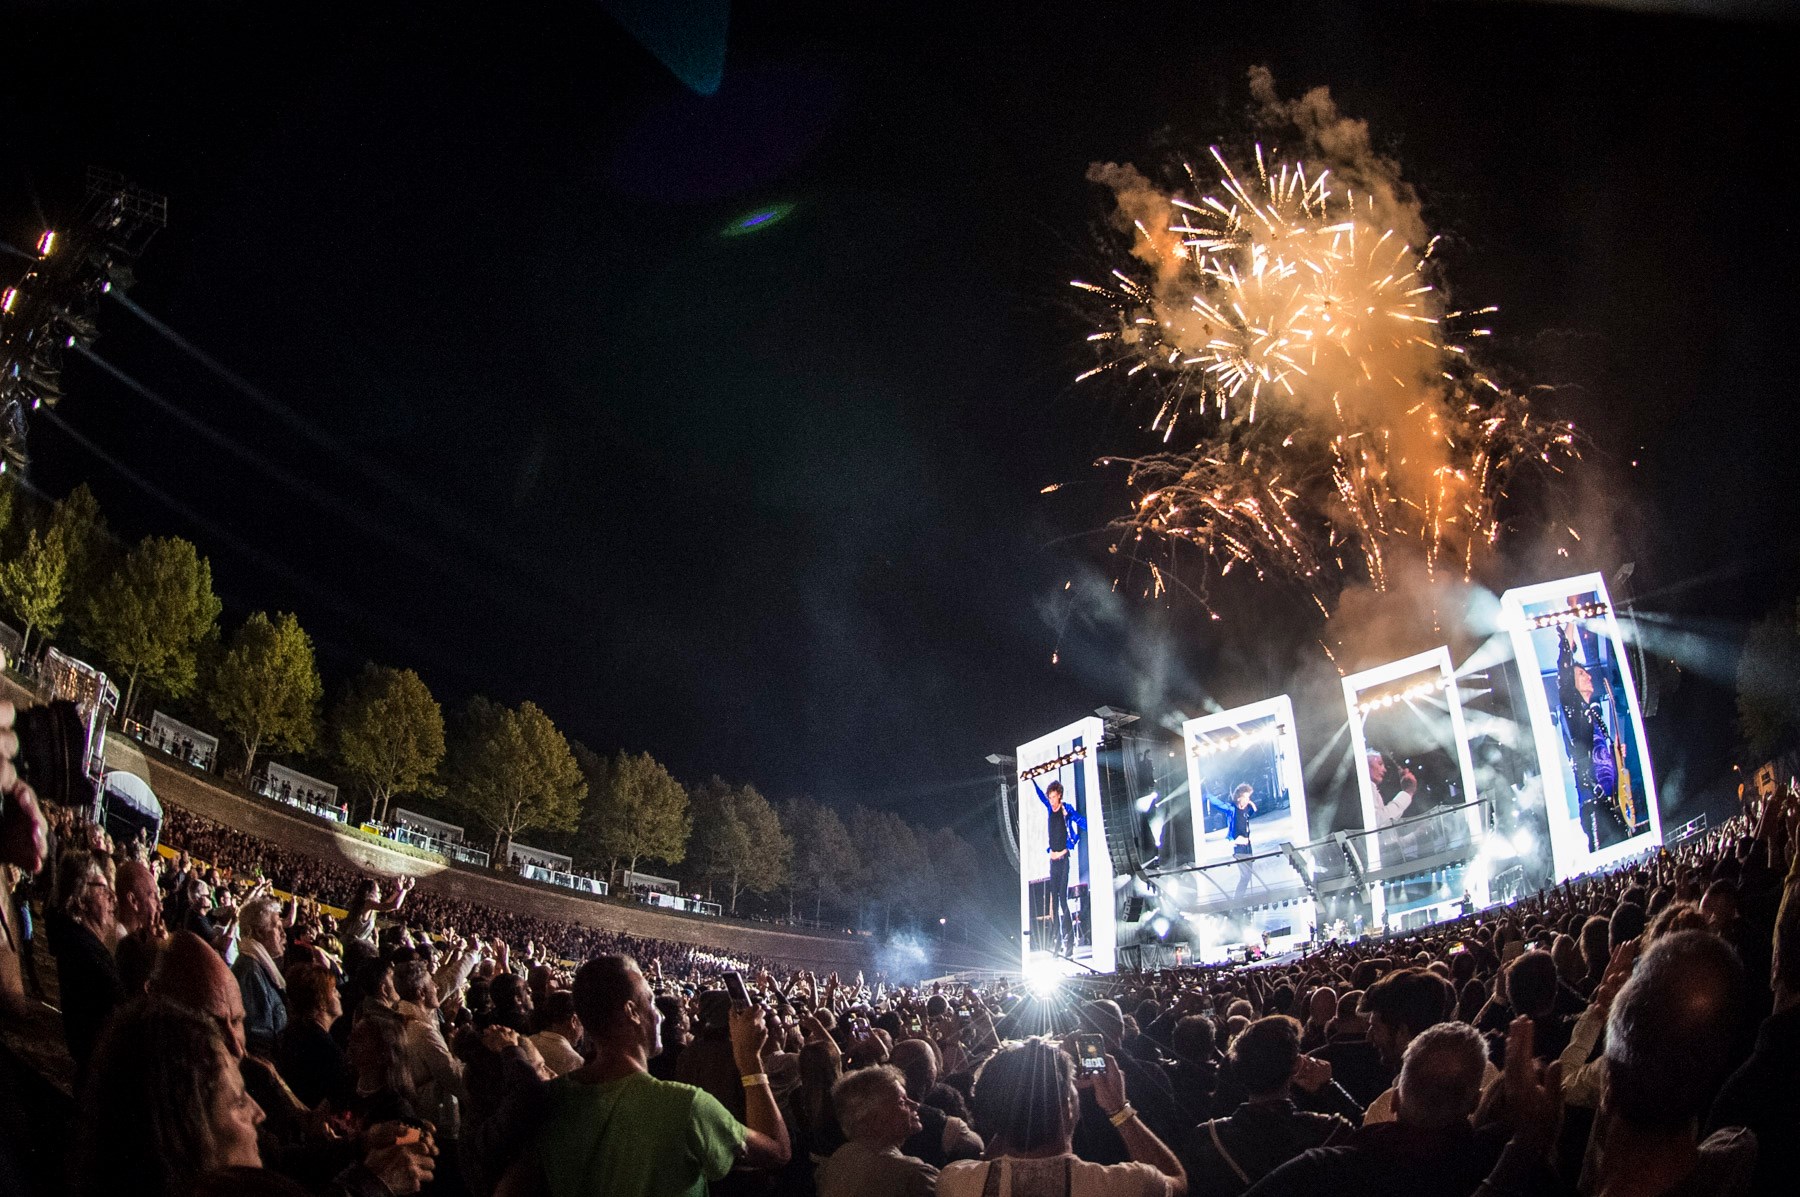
(1044, 1178)
(559, 1057)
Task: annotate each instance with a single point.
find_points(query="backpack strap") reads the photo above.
(1212, 1128)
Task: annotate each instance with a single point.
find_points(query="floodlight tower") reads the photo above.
(53, 308)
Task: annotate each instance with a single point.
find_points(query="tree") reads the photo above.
(637, 811)
(719, 839)
(824, 861)
(1768, 683)
(87, 541)
(265, 689)
(151, 615)
(389, 734)
(32, 583)
(512, 770)
(889, 860)
(738, 840)
(951, 876)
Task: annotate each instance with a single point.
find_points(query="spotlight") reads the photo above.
(1042, 978)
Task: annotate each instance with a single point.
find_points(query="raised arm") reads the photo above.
(1140, 1141)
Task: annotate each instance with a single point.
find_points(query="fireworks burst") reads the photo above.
(1319, 414)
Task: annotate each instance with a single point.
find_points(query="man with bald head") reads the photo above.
(140, 906)
(1429, 1150)
(190, 973)
(193, 975)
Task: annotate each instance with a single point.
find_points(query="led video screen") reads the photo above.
(1411, 758)
(1066, 900)
(1246, 797)
(1599, 793)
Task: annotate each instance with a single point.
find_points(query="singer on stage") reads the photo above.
(1237, 813)
(1065, 828)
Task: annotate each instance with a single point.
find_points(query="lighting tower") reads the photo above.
(53, 308)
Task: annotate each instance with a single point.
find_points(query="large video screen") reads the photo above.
(1246, 797)
(1066, 901)
(1599, 793)
(1411, 760)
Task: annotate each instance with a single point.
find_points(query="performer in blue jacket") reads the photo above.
(1066, 826)
(1237, 813)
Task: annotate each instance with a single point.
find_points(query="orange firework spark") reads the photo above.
(1295, 338)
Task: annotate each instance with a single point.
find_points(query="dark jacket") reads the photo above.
(89, 981)
(1228, 1155)
(265, 1007)
(1391, 1158)
(1357, 1066)
(314, 1066)
(1098, 1141)
(1762, 1095)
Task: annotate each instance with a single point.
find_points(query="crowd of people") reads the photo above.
(1628, 1033)
(240, 856)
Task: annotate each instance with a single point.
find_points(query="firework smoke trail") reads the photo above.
(1319, 415)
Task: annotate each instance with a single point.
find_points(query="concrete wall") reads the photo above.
(176, 786)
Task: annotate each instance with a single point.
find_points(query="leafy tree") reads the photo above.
(513, 771)
(265, 689)
(32, 583)
(825, 863)
(1768, 683)
(738, 840)
(86, 539)
(151, 615)
(719, 839)
(951, 876)
(889, 859)
(389, 735)
(636, 811)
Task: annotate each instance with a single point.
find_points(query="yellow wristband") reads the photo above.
(1125, 1114)
(754, 1079)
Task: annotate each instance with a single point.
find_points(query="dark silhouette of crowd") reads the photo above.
(1628, 1033)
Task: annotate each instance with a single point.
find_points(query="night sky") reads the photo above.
(768, 505)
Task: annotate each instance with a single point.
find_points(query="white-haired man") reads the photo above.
(877, 1117)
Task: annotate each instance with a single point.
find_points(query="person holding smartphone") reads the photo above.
(611, 1128)
(1026, 1108)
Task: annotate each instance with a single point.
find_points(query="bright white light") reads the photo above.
(46, 243)
(1146, 802)
(1042, 978)
(1497, 847)
(1524, 841)
(1160, 925)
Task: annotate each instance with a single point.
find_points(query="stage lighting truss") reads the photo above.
(1412, 693)
(1207, 747)
(1578, 613)
(53, 308)
(1067, 758)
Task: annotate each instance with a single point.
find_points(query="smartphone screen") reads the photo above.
(859, 1028)
(734, 985)
(1090, 1054)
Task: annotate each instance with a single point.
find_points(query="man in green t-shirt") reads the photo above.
(611, 1128)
